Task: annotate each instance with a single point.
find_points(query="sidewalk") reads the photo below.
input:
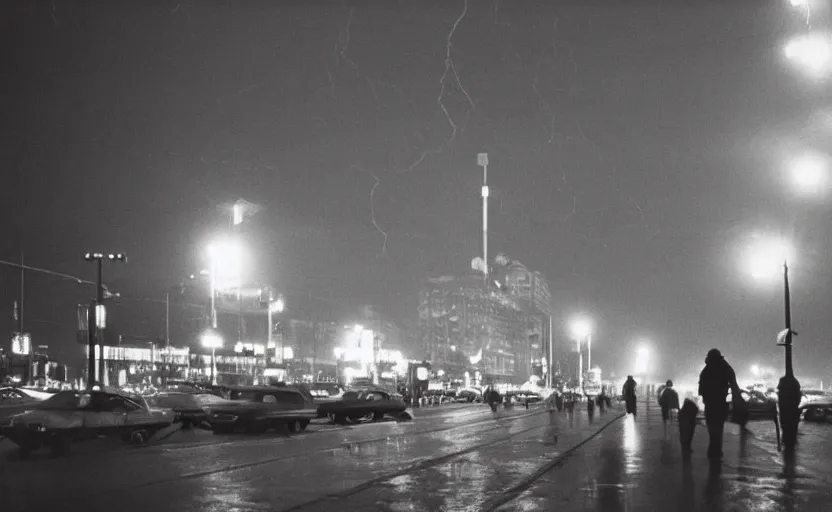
(630, 467)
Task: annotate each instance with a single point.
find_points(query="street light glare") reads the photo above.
(809, 175)
(581, 327)
(211, 340)
(766, 258)
(799, 3)
(813, 52)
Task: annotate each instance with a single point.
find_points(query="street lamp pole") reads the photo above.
(93, 333)
(788, 389)
(482, 161)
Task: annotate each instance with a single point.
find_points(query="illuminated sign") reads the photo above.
(21, 343)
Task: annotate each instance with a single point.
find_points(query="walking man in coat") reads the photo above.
(629, 394)
(716, 379)
(668, 401)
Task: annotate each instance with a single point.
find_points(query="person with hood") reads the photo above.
(628, 392)
(668, 401)
(715, 380)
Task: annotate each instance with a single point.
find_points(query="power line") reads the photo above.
(45, 271)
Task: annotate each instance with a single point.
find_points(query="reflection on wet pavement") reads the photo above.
(632, 467)
(427, 466)
(259, 469)
(467, 482)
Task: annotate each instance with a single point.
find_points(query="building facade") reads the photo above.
(470, 328)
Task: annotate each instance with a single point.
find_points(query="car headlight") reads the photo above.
(37, 427)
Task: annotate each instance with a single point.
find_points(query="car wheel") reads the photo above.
(139, 436)
(293, 427)
(340, 419)
(378, 416)
(304, 424)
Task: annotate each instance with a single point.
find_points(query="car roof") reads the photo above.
(263, 389)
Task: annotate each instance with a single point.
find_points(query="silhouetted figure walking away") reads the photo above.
(687, 424)
(716, 379)
(629, 394)
(668, 401)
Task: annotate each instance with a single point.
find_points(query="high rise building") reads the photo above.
(532, 291)
(529, 285)
(467, 327)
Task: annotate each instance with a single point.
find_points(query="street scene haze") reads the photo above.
(454, 255)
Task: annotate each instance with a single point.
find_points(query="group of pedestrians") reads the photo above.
(716, 380)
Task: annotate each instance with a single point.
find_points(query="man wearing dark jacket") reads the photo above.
(628, 392)
(716, 379)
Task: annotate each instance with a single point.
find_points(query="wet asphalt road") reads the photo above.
(198, 471)
(452, 458)
(632, 466)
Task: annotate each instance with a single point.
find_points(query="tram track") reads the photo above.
(501, 499)
(503, 421)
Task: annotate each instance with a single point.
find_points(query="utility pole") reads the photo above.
(30, 356)
(93, 322)
(167, 320)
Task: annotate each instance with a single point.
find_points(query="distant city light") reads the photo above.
(581, 327)
(642, 360)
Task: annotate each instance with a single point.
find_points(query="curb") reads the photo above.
(515, 490)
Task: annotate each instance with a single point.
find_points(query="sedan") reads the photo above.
(71, 416)
(257, 409)
(366, 403)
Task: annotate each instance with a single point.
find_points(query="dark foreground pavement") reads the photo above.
(631, 467)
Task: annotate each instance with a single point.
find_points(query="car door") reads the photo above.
(104, 412)
(135, 413)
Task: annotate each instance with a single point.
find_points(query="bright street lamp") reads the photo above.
(225, 258)
(812, 52)
(766, 257)
(809, 175)
(642, 360)
(769, 257)
(213, 341)
(582, 329)
(755, 370)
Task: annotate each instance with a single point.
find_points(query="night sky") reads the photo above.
(634, 146)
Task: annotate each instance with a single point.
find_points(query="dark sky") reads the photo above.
(633, 147)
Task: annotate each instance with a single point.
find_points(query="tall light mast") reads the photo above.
(482, 161)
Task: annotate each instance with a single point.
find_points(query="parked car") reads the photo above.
(71, 416)
(469, 395)
(190, 409)
(760, 406)
(256, 409)
(369, 403)
(523, 396)
(816, 405)
(15, 400)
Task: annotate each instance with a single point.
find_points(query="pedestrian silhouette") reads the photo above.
(669, 402)
(715, 380)
(629, 394)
